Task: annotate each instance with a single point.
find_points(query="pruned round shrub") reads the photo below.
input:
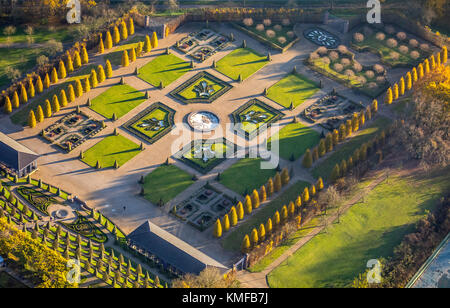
(334, 55)
(322, 50)
(326, 60)
(401, 36)
(314, 56)
(342, 49)
(270, 33)
(348, 72)
(362, 80)
(381, 79)
(267, 22)
(345, 62)
(285, 22)
(358, 37)
(380, 36)
(277, 28)
(389, 29)
(403, 49)
(357, 67)
(413, 43)
(391, 43)
(394, 55)
(378, 68)
(338, 67)
(369, 74)
(372, 85)
(248, 22)
(290, 34)
(260, 27)
(282, 40)
(414, 54)
(424, 47)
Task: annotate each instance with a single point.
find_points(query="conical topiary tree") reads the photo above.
(84, 55)
(48, 109)
(240, 211)
(31, 90)
(276, 219)
(7, 108)
(116, 35)
(277, 182)
(254, 238)
(262, 193)
(31, 119)
(86, 85)
(269, 187)
(285, 178)
(248, 205)
(78, 88)
(62, 73)
(269, 226)
(154, 40)
(389, 97)
(262, 232)
(69, 63)
(408, 81)
(101, 46)
(319, 184)
(93, 79)
(15, 100)
(108, 71)
(55, 104)
(54, 76)
(305, 195)
(39, 86)
(218, 229)
(123, 30)
(71, 94)
(226, 223)
(23, 95)
(76, 60)
(130, 26)
(335, 173)
(125, 60)
(63, 98)
(245, 246)
(108, 40)
(132, 55)
(255, 199)
(147, 44)
(233, 216)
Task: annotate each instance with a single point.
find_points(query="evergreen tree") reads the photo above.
(233, 216)
(291, 209)
(54, 76)
(335, 137)
(315, 154)
(39, 114)
(368, 113)
(240, 211)
(86, 85)
(362, 119)
(312, 190)
(335, 174)
(248, 205)
(276, 219)
(402, 86)
(125, 61)
(262, 232)
(7, 108)
(262, 193)
(374, 106)
(322, 147)
(48, 109)
(39, 86)
(55, 104)
(319, 184)
(438, 59)
(427, 66)
(432, 63)
(420, 71)
(93, 79)
(147, 44)
(130, 26)
(254, 237)
(63, 98)
(101, 46)
(284, 214)
(84, 55)
(298, 202)
(245, 246)
(71, 92)
(123, 30)
(408, 81)
(31, 90)
(269, 226)
(414, 75)
(132, 55)
(255, 199)
(285, 178)
(226, 223)
(69, 63)
(31, 119)
(305, 195)
(46, 81)
(329, 142)
(100, 73)
(154, 40)
(395, 92)
(116, 35)
(108, 69)
(444, 54)
(218, 229)
(108, 40)
(307, 159)
(23, 95)
(139, 49)
(277, 182)
(270, 188)
(78, 88)
(76, 60)
(62, 70)
(15, 100)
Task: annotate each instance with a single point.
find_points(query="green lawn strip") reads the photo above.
(119, 99)
(293, 88)
(21, 116)
(246, 175)
(115, 57)
(345, 150)
(369, 230)
(40, 35)
(159, 114)
(22, 59)
(110, 149)
(242, 61)
(165, 69)
(233, 241)
(165, 183)
(294, 139)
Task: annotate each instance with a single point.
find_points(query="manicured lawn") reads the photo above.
(294, 139)
(246, 175)
(234, 240)
(165, 183)
(110, 149)
(40, 35)
(165, 69)
(366, 231)
(242, 61)
(293, 88)
(344, 151)
(119, 99)
(115, 57)
(21, 116)
(193, 92)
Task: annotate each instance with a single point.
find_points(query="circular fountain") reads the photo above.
(204, 121)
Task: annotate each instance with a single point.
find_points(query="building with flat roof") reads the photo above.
(174, 254)
(16, 158)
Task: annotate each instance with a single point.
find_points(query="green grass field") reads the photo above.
(165, 69)
(366, 231)
(40, 35)
(110, 149)
(294, 139)
(234, 239)
(346, 149)
(242, 61)
(293, 88)
(115, 57)
(246, 175)
(21, 116)
(119, 99)
(165, 183)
